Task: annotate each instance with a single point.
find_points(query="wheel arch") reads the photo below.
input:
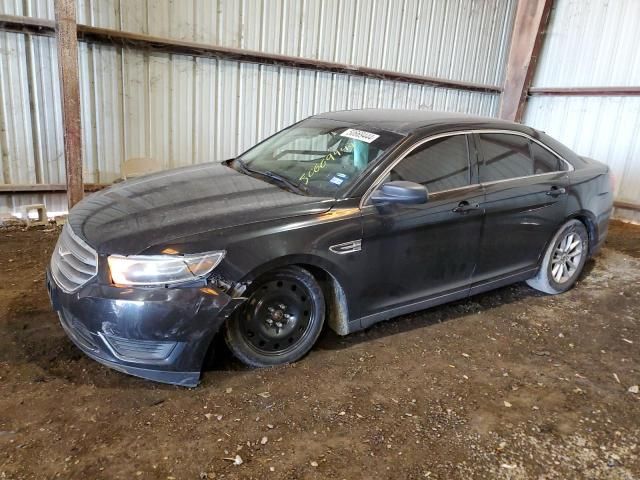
(588, 219)
(327, 275)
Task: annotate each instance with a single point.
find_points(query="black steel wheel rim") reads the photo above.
(278, 316)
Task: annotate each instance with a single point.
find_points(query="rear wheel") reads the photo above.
(563, 260)
(280, 321)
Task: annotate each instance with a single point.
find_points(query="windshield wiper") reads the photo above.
(282, 179)
(274, 176)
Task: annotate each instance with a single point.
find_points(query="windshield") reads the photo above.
(317, 156)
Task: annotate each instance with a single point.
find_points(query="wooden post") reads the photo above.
(532, 17)
(67, 39)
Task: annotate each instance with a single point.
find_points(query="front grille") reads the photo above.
(73, 262)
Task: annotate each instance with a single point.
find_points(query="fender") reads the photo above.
(327, 273)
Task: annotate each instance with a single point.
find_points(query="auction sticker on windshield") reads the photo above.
(361, 135)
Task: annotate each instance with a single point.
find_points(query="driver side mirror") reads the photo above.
(400, 192)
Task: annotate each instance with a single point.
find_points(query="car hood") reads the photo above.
(129, 217)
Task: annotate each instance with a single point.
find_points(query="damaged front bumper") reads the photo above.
(160, 334)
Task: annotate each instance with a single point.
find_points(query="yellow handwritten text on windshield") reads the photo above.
(321, 165)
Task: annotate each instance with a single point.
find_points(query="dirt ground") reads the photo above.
(511, 384)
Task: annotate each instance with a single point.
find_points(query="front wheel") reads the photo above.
(280, 321)
(563, 260)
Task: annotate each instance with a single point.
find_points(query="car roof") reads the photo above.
(406, 122)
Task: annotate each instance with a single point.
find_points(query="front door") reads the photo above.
(419, 252)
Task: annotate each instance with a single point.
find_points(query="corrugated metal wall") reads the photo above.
(180, 110)
(457, 39)
(594, 43)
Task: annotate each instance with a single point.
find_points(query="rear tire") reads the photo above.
(280, 321)
(563, 260)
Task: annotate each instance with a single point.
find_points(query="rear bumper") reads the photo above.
(161, 334)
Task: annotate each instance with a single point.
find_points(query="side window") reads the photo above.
(505, 156)
(544, 160)
(439, 165)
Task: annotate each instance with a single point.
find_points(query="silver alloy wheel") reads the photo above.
(566, 257)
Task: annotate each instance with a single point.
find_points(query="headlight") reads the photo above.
(161, 269)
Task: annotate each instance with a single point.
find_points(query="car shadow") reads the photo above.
(38, 339)
(429, 317)
(221, 359)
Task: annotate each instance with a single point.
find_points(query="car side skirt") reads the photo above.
(503, 281)
(366, 322)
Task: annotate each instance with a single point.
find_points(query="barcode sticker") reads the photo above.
(361, 135)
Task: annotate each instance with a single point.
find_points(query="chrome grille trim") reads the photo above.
(73, 262)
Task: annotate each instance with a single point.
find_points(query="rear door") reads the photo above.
(525, 203)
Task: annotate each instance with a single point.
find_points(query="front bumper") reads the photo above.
(160, 334)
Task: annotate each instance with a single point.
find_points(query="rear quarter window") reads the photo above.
(545, 161)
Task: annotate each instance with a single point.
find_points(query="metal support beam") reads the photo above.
(32, 25)
(67, 39)
(586, 91)
(531, 20)
(155, 44)
(627, 206)
(46, 188)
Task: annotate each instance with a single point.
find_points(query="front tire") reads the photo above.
(563, 260)
(280, 321)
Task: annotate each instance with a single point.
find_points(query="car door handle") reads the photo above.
(465, 207)
(556, 191)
